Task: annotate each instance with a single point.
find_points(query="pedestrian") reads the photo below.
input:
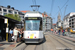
(22, 33)
(15, 33)
(10, 35)
(59, 31)
(19, 35)
(63, 32)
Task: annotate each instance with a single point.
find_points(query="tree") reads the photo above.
(13, 16)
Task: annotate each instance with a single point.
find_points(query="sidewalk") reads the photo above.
(4, 45)
(67, 37)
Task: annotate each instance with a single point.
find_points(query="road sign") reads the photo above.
(7, 29)
(6, 20)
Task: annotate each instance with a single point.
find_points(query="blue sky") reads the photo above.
(45, 6)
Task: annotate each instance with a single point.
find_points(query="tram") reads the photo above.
(33, 27)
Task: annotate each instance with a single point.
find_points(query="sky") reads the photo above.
(45, 6)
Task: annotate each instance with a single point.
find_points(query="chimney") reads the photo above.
(8, 6)
(13, 8)
(2, 6)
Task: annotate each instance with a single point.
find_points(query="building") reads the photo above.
(47, 22)
(69, 20)
(13, 19)
(72, 20)
(10, 10)
(25, 11)
(59, 22)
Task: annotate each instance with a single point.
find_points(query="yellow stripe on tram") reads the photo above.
(31, 36)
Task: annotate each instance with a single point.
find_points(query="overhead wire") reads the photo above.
(52, 7)
(62, 6)
(33, 1)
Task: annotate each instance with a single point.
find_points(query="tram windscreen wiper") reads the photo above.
(29, 28)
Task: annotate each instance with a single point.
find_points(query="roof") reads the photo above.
(54, 24)
(25, 11)
(45, 15)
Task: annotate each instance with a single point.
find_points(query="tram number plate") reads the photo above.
(31, 36)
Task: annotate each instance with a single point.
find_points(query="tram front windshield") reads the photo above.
(32, 24)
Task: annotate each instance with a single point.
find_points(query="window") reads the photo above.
(32, 24)
(72, 26)
(15, 12)
(0, 9)
(4, 10)
(4, 13)
(10, 11)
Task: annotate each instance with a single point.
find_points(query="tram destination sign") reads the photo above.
(33, 18)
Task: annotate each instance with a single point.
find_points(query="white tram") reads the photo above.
(33, 30)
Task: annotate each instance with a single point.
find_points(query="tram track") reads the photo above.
(24, 47)
(61, 42)
(67, 41)
(30, 46)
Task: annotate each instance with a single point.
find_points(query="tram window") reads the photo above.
(40, 28)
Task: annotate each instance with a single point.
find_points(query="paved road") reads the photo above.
(51, 42)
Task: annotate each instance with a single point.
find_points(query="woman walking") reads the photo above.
(15, 32)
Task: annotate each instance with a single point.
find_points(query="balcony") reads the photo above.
(4, 10)
(10, 11)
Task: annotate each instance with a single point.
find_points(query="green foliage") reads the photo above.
(15, 16)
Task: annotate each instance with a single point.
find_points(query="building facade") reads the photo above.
(10, 10)
(69, 20)
(47, 22)
(72, 21)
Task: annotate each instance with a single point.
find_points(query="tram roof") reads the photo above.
(33, 14)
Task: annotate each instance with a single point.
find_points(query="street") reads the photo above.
(51, 42)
